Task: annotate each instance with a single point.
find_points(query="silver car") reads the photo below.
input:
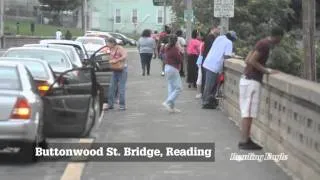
(40, 70)
(71, 51)
(92, 44)
(21, 110)
(58, 59)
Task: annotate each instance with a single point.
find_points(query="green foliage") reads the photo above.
(61, 5)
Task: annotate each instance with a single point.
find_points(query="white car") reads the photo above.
(104, 35)
(92, 44)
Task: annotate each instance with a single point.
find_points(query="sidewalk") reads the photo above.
(147, 121)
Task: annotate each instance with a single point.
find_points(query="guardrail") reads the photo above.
(289, 118)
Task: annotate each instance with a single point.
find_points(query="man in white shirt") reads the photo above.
(181, 43)
(221, 49)
(58, 34)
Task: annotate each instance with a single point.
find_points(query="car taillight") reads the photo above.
(43, 88)
(21, 110)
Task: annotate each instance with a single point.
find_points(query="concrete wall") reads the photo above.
(16, 41)
(289, 120)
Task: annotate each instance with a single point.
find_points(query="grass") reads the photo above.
(10, 27)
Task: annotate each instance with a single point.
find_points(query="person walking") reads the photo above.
(173, 61)
(193, 51)
(163, 41)
(199, 79)
(58, 34)
(221, 49)
(147, 48)
(119, 78)
(250, 85)
(182, 44)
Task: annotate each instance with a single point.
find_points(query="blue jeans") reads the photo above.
(118, 79)
(210, 87)
(174, 84)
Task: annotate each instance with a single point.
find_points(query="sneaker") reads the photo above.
(122, 108)
(209, 106)
(250, 145)
(162, 73)
(176, 110)
(167, 107)
(198, 96)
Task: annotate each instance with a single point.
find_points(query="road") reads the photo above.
(146, 121)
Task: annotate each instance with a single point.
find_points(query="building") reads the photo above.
(127, 16)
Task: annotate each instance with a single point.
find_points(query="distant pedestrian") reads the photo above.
(147, 48)
(221, 49)
(182, 44)
(119, 78)
(193, 51)
(250, 85)
(199, 64)
(68, 35)
(58, 34)
(173, 62)
(163, 41)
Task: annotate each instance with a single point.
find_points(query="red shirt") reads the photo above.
(173, 57)
(194, 47)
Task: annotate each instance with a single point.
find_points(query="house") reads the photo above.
(127, 16)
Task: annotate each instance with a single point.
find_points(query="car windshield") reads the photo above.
(55, 59)
(37, 69)
(9, 78)
(91, 41)
(116, 36)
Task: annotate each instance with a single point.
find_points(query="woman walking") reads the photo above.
(173, 61)
(119, 78)
(193, 51)
(146, 47)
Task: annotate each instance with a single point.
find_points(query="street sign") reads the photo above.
(188, 14)
(224, 8)
(162, 2)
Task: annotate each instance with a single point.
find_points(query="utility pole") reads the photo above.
(189, 19)
(1, 23)
(309, 19)
(165, 12)
(85, 13)
(224, 23)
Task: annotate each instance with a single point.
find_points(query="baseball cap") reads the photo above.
(233, 35)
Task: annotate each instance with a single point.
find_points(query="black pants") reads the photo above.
(192, 67)
(146, 62)
(203, 83)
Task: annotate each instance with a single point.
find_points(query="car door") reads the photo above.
(69, 108)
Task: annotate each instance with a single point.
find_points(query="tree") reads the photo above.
(61, 5)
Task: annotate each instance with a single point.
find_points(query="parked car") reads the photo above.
(57, 59)
(81, 50)
(40, 70)
(124, 38)
(21, 110)
(70, 50)
(104, 35)
(92, 44)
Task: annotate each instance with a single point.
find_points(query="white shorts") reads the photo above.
(199, 80)
(249, 97)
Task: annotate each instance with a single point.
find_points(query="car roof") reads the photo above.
(61, 41)
(91, 37)
(24, 59)
(37, 48)
(48, 45)
(10, 64)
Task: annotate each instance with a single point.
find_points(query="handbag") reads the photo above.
(118, 66)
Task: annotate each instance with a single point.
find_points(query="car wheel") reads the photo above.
(28, 152)
(90, 119)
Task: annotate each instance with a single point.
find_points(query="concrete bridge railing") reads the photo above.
(289, 120)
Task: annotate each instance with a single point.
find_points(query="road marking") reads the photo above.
(74, 170)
